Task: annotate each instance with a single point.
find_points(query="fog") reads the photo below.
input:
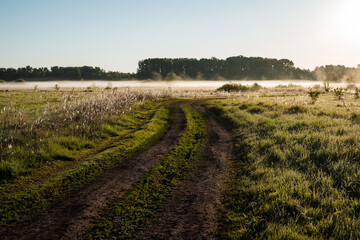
(147, 84)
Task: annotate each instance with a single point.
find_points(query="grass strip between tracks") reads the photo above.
(121, 218)
(25, 202)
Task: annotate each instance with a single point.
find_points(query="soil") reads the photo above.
(191, 210)
(189, 213)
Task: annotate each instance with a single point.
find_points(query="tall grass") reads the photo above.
(26, 137)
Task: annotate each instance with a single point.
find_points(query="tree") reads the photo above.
(170, 76)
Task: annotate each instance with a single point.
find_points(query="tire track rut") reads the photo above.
(191, 210)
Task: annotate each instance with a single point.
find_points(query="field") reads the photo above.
(296, 166)
(256, 163)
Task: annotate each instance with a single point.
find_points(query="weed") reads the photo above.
(314, 95)
(327, 87)
(338, 93)
(357, 93)
(63, 114)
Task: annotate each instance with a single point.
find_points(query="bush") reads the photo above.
(170, 76)
(357, 93)
(233, 87)
(314, 95)
(256, 87)
(339, 93)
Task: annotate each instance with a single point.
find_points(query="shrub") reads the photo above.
(233, 87)
(290, 85)
(256, 87)
(2, 81)
(339, 93)
(357, 93)
(170, 76)
(314, 95)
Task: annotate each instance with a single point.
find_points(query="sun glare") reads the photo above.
(346, 21)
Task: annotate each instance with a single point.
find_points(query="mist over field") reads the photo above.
(190, 84)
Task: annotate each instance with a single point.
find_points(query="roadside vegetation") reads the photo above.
(52, 151)
(39, 128)
(295, 167)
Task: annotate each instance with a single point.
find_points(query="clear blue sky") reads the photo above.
(116, 34)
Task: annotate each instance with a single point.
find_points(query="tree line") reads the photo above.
(231, 68)
(62, 73)
(238, 67)
(337, 73)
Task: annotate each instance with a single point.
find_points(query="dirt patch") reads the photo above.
(191, 210)
(68, 218)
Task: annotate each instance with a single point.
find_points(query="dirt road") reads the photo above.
(189, 213)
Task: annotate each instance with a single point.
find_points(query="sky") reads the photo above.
(116, 34)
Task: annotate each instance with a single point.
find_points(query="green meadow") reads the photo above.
(295, 165)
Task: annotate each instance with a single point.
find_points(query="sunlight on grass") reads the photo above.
(296, 167)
